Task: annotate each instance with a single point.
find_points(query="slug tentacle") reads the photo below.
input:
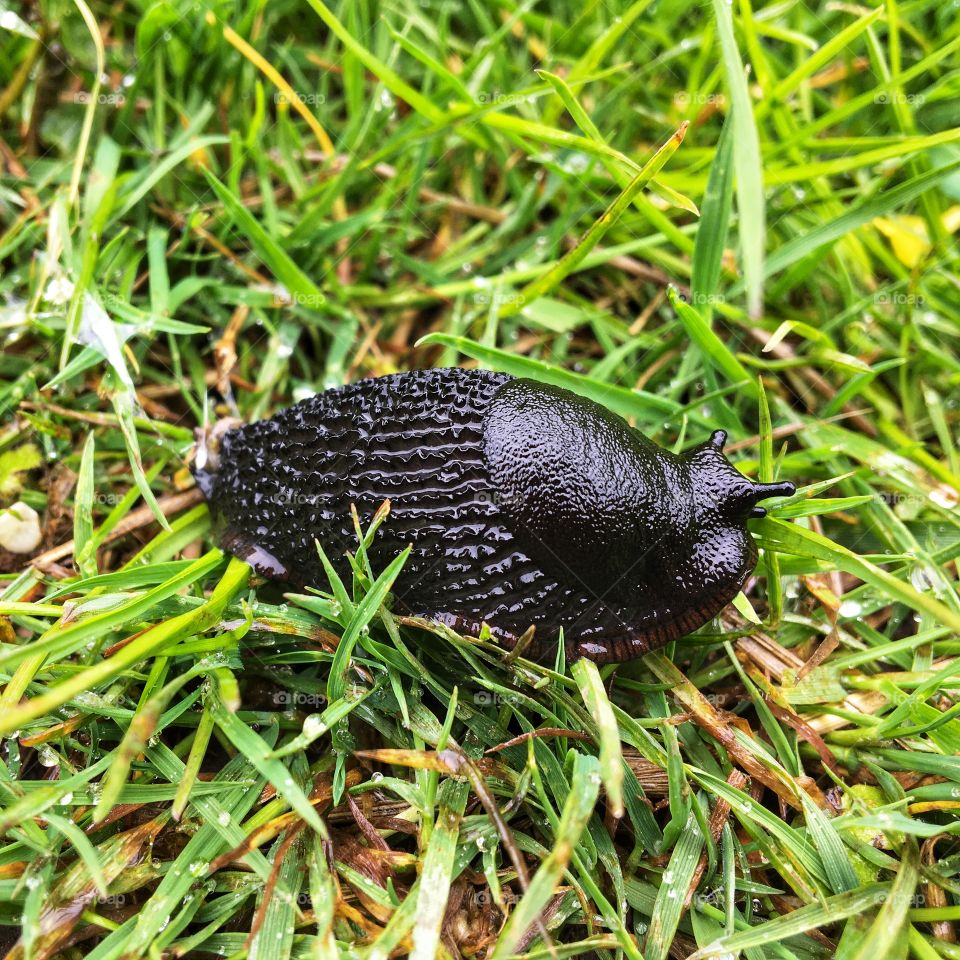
(524, 505)
(763, 491)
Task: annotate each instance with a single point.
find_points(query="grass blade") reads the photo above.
(751, 207)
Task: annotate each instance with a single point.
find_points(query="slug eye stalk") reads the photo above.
(762, 491)
(754, 492)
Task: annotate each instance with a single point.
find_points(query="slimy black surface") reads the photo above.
(524, 504)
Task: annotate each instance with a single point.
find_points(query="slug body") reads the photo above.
(525, 505)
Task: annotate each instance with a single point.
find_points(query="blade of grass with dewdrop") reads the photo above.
(617, 171)
(123, 580)
(771, 563)
(301, 288)
(859, 160)
(902, 459)
(144, 645)
(800, 850)
(779, 740)
(713, 349)
(387, 76)
(123, 404)
(878, 205)
(791, 538)
(83, 513)
(674, 884)
(826, 52)
(337, 587)
(10, 608)
(363, 614)
(747, 160)
(888, 934)
(600, 48)
(278, 905)
(810, 131)
(91, 106)
(138, 187)
(808, 917)
(86, 852)
(584, 788)
(275, 77)
(833, 853)
(319, 724)
(209, 806)
(510, 277)
(59, 641)
(446, 76)
(39, 797)
(819, 506)
(714, 224)
(210, 840)
(142, 726)
(397, 928)
(437, 870)
(594, 695)
(252, 746)
(520, 129)
(550, 280)
(76, 887)
(167, 543)
(323, 896)
(159, 275)
(198, 749)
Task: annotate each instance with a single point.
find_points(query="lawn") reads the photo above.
(701, 215)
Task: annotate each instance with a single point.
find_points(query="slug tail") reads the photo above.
(262, 560)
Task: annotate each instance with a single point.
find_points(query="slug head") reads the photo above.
(722, 500)
(720, 491)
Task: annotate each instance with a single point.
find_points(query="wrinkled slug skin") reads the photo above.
(524, 504)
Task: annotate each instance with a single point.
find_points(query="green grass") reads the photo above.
(219, 208)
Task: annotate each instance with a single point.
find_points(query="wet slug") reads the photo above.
(525, 504)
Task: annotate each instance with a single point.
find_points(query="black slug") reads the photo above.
(525, 504)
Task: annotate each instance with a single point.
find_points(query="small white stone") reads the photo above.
(850, 608)
(59, 290)
(314, 726)
(20, 529)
